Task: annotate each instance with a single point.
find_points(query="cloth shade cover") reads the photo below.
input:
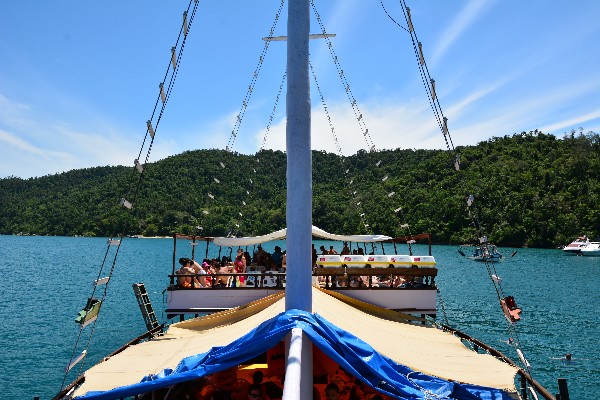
(281, 234)
(400, 359)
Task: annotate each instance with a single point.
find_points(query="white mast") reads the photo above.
(298, 294)
(299, 161)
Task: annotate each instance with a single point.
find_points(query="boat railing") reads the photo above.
(339, 277)
(377, 278)
(230, 280)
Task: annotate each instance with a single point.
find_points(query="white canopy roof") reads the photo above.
(280, 234)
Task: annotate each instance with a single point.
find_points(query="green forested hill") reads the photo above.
(531, 189)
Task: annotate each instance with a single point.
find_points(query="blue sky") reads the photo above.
(78, 80)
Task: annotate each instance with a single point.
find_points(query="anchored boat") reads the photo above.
(482, 253)
(327, 327)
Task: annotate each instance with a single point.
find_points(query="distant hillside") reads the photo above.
(531, 189)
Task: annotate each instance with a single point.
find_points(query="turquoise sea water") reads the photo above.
(46, 280)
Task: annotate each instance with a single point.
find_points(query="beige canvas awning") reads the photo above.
(421, 348)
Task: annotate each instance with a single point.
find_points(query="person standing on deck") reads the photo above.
(240, 266)
(277, 256)
(345, 250)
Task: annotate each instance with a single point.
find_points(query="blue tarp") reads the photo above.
(351, 353)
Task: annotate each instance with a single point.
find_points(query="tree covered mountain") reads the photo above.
(531, 189)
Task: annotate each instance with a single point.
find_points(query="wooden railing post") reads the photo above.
(562, 389)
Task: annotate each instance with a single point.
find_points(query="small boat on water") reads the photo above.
(592, 249)
(482, 253)
(574, 248)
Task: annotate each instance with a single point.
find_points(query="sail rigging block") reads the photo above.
(409, 20)
(185, 24)
(126, 204)
(150, 128)
(470, 200)
(173, 58)
(433, 95)
(457, 162)
(138, 166)
(421, 58)
(445, 124)
(163, 97)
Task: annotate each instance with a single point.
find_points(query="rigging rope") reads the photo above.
(357, 114)
(240, 116)
(443, 125)
(135, 185)
(339, 149)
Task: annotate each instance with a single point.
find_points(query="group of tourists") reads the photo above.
(226, 273)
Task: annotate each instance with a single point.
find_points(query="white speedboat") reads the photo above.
(592, 249)
(574, 248)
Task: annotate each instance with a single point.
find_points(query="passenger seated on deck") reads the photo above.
(345, 250)
(332, 392)
(208, 268)
(200, 278)
(223, 385)
(186, 269)
(323, 251)
(222, 280)
(260, 256)
(284, 261)
(255, 392)
(276, 256)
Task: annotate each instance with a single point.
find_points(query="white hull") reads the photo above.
(202, 301)
(591, 250)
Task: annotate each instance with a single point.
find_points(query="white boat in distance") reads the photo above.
(483, 253)
(592, 249)
(574, 248)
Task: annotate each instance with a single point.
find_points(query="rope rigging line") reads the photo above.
(514, 338)
(426, 79)
(339, 149)
(442, 121)
(238, 220)
(134, 187)
(355, 108)
(253, 81)
(349, 94)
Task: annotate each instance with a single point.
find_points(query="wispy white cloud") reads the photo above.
(460, 24)
(571, 122)
(15, 143)
(39, 145)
